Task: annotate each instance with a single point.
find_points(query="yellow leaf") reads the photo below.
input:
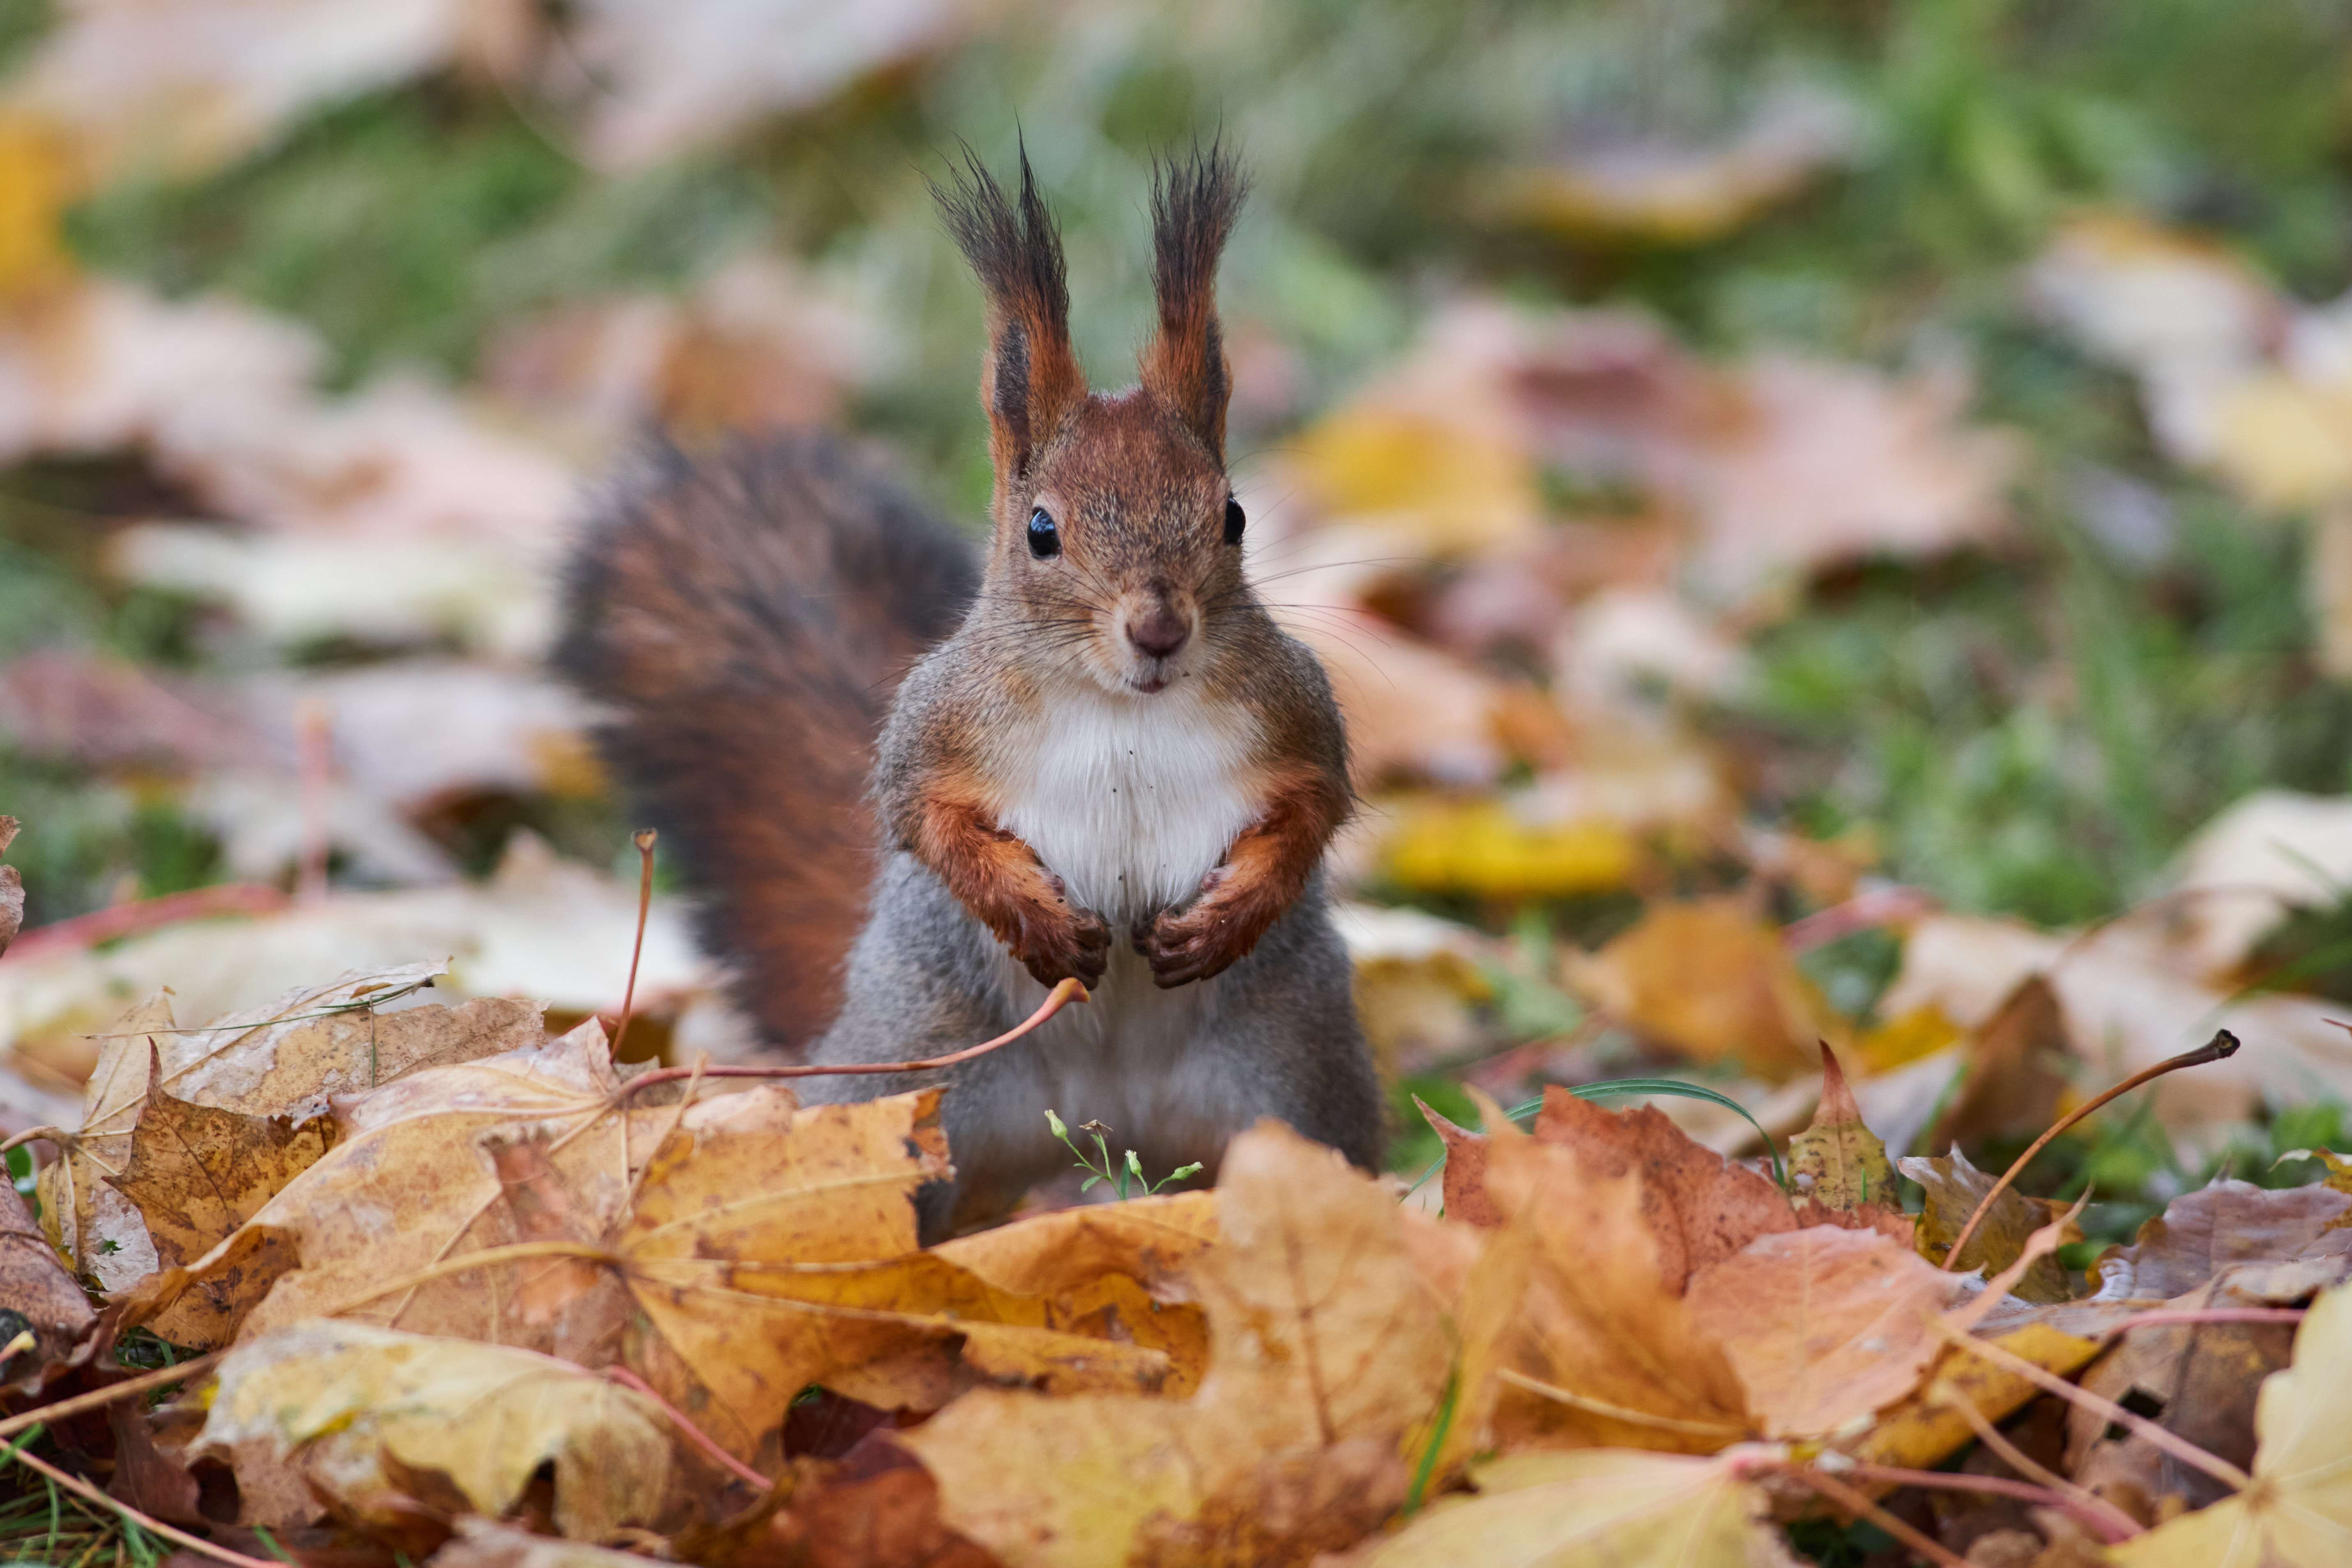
(1329, 1355)
(1839, 1167)
(2298, 1512)
(35, 183)
(346, 1403)
(1601, 1508)
(1481, 848)
(1922, 1430)
(1455, 487)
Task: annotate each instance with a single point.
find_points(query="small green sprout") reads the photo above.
(1127, 1176)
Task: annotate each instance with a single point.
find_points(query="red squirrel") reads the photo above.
(1112, 764)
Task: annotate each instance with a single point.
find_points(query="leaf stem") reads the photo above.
(693, 1434)
(2222, 1046)
(644, 842)
(1061, 995)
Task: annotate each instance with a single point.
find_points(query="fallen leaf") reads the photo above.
(286, 1058)
(1598, 1508)
(1822, 1326)
(2298, 1512)
(1923, 1429)
(2012, 1081)
(352, 1408)
(1709, 980)
(877, 1506)
(189, 89)
(2269, 853)
(1840, 1169)
(1328, 1354)
(12, 889)
(1607, 1352)
(1955, 1189)
(2224, 1228)
(1654, 189)
(197, 1172)
(1483, 849)
(45, 1321)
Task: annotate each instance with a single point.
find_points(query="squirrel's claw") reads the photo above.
(1055, 944)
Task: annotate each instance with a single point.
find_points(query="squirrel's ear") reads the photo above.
(1194, 203)
(1030, 380)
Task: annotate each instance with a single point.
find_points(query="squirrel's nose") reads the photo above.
(1158, 634)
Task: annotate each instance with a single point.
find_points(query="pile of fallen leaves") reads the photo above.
(470, 1288)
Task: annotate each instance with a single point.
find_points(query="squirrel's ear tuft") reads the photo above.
(1194, 201)
(1030, 380)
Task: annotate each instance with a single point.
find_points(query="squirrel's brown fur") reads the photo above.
(1115, 765)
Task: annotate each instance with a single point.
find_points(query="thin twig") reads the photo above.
(1998, 1486)
(2104, 1518)
(693, 1434)
(2172, 1443)
(99, 1397)
(2222, 1046)
(1630, 1417)
(644, 842)
(1852, 1502)
(82, 1489)
(1064, 993)
(2205, 1315)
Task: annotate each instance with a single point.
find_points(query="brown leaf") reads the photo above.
(2227, 1226)
(1822, 1326)
(149, 1479)
(1840, 1168)
(285, 1059)
(40, 1304)
(2011, 1082)
(877, 1506)
(12, 889)
(196, 1172)
(1327, 1349)
(1711, 981)
(1701, 1206)
(1954, 1188)
(1607, 1352)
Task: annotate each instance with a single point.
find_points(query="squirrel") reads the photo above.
(1105, 761)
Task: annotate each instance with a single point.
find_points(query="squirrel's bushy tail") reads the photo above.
(744, 620)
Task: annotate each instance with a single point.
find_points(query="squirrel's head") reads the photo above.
(1117, 538)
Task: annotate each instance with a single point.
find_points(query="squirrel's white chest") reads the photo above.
(1130, 801)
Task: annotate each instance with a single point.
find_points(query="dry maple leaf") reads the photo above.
(487, 1543)
(1954, 1188)
(1824, 1325)
(1926, 1427)
(1699, 1206)
(2298, 1512)
(1599, 1508)
(1840, 1168)
(286, 1058)
(1606, 1350)
(1327, 1355)
(358, 1410)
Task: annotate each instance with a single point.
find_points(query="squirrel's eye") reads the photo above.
(1236, 520)
(1044, 539)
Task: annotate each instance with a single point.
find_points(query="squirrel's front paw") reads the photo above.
(1197, 941)
(1059, 940)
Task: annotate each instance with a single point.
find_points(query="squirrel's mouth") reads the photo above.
(1148, 685)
